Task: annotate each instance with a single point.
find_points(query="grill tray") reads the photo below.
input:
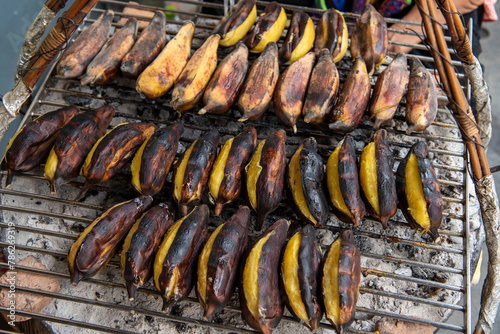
(405, 276)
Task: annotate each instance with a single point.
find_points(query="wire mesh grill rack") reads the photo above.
(440, 287)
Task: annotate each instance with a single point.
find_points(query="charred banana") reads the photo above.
(227, 173)
(30, 146)
(332, 34)
(265, 176)
(154, 158)
(322, 89)
(113, 151)
(175, 261)
(260, 296)
(388, 91)
(73, 144)
(300, 273)
(305, 178)
(190, 85)
(85, 47)
(369, 38)
(343, 183)
(160, 76)
(105, 67)
(219, 260)
(148, 46)
(225, 85)
(421, 98)
(377, 180)
(192, 170)
(299, 39)
(291, 89)
(98, 243)
(268, 28)
(340, 281)
(418, 190)
(234, 27)
(258, 89)
(141, 244)
(349, 109)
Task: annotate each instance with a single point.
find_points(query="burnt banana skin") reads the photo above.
(299, 39)
(148, 46)
(105, 67)
(260, 278)
(154, 158)
(141, 244)
(385, 187)
(234, 27)
(98, 243)
(85, 47)
(266, 176)
(113, 151)
(74, 143)
(175, 261)
(258, 89)
(30, 146)
(305, 178)
(350, 108)
(219, 261)
(227, 176)
(332, 34)
(192, 170)
(267, 28)
(322, 89)
(428, 186)
(300, 270)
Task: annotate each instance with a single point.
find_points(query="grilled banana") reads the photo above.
(291, 89)
(30, 146)
(377, 180)
(98, 243)
(175, 261)
(305, 175)
(219, 260)
(225, 85)
(113, 151)
(421, 98)
(141, 244)
(343, 183)
(332, 34)
(299, 39)
(260, 297)
(85, 47)
(259, 85)
(234, 27)
(192, 170)
(340, 281)
(161, 75)
(73, 144)
(300, 273)
(268, 28)
(148, 46)
(418, 190)
(349, 109)
(190, 85)
(105, 67)
(152, 161)
(226, 177)
(265, 175)
(388, 91)
(322, 89)
(369, 38)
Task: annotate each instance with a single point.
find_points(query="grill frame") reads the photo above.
(465, 272)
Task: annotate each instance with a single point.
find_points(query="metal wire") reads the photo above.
(52, 93)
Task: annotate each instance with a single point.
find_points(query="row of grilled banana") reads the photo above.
(180, 254)
(80, 146)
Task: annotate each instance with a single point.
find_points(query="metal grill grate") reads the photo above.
(21, 203)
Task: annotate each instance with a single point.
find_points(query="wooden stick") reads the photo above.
(55, 5)
(52, 44)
